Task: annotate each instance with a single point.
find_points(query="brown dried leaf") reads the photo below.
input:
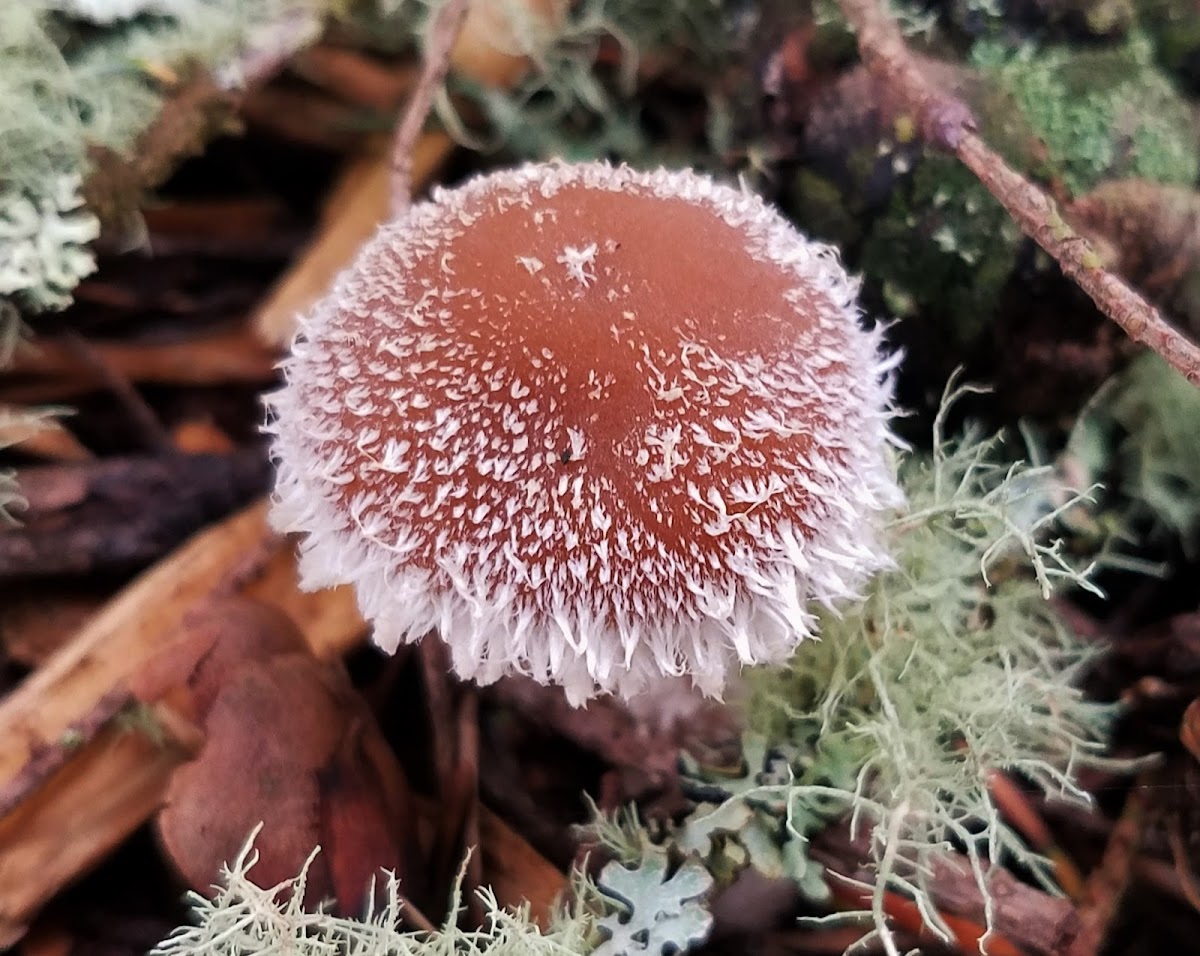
(289, 744)
(222, 636)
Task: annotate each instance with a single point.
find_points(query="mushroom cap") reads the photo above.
(592, 425)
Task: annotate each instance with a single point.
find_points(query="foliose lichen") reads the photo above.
(44, 241)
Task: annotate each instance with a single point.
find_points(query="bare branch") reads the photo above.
(444, 28)
(947, 122)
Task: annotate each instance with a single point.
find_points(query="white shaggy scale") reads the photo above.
(591, 425)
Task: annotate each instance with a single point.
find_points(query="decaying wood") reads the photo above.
(1108, 881)
(119, 514)
(947, 122)
(355, 77)
(48, 370)
(52, 756)
(1035, 922)
(121, 638)
(147, 425)
(108, 789)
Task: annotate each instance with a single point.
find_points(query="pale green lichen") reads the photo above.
(244, 919)
(954, 666)
(66, 90)
(106, 11)
(654, 908)
(41, 132)
(44, 241)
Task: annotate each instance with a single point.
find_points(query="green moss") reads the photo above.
(947, 244)
(943, 249)
(816, 201)
(1174, 28)
(1102, 113)
(933, 240)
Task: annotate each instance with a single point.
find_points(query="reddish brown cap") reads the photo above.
(590, 424)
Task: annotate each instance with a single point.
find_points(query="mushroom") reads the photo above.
(593, 425)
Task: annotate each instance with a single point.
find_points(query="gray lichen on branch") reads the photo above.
(948, 123)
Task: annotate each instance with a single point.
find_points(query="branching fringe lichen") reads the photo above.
(243, 919)
(953, 666)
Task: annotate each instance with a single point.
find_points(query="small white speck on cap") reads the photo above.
(580, 263)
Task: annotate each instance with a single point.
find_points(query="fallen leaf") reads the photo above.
(289, 744)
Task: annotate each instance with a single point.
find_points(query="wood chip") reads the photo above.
(49, 371)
